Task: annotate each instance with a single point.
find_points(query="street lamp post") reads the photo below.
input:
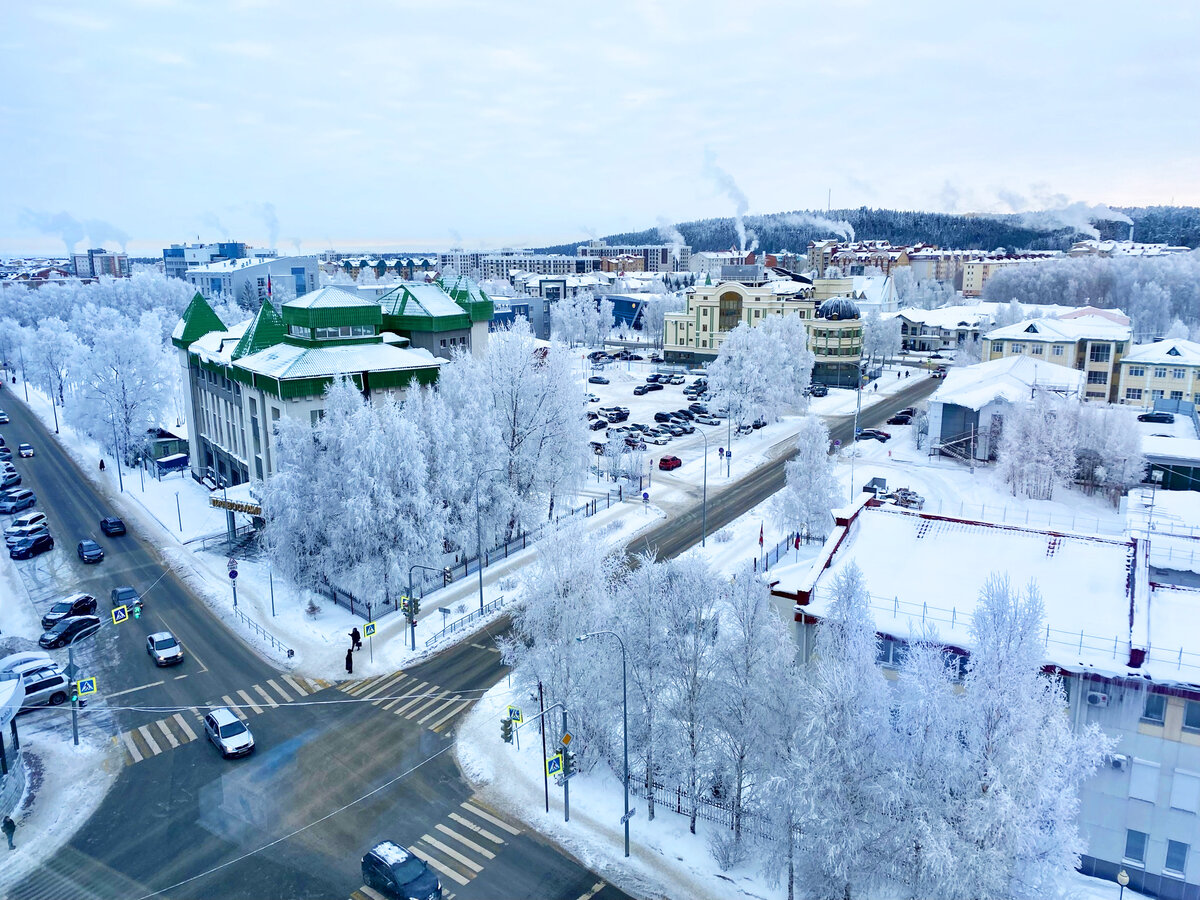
(412, 620)
(479, 533)
(854, 437)
(116, 451)
(1122, 880)
(704, 501)
(624, 723)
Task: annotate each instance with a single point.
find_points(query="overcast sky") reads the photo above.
(427, 124)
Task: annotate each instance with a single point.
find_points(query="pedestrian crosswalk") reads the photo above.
(175, 730)
(405, 695)
(459, 848)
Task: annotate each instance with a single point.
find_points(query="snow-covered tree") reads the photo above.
(782, 801)
(759, 370)
(1109, 453)
(1038, 444)
(881, 337)
(1178, 331)
(811, 492)
(52, 352)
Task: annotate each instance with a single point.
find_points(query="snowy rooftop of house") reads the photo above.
(332, 297)
(292, 361)
(946, 316)
(1167, 352)
(1184, 451)
(1010, 378)
(1113, 315)
(217, 346)
(928, 570)
(1095, 328)
(231, 265)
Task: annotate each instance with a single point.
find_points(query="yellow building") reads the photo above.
(1092, 344)
(976, 272)
(1166, 370)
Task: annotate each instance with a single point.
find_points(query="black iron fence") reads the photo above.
(459, 625)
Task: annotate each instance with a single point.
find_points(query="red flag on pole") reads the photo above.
(268, 284)
(760, 534)
(797, 540)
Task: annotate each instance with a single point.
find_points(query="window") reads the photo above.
(1136, 371)
(1135, 846)
(1185, 791)
(443, 343)
(299, 331)
(1100, 353)
(344, 331)
(1155, 709)
(1179, 373)
(891, 653)
(1133, 393)
(1156, 395)
(1191, 714)
(1036, 349)
(1160, 371)
(1018, 348)
(1058, 351)
(1176, 395)
(1097, 378)
(1143, 781)
(1176, 857)
(997, 347)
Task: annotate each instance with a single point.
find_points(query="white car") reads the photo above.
(25, 450)
(654, 437)
(228, 734)
(21, 521)
(705, 419)
(592, 398)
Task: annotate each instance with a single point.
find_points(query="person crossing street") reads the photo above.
(10, 828)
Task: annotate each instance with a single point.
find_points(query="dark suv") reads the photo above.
(67, 631)
(389, 868)
(29, 547)
(125, 596)
(1159, 418)
(75, 605)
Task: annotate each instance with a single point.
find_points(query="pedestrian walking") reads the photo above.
(897, 374)
(10, 828)
(350, 661)
(355, 639)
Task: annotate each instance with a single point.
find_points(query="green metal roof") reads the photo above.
(198, 320)
(265, 331)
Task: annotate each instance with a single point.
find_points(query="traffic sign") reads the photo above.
(629, 815)
(86, 686)
(837, 443)
(369, 629)
(566, 739)
(645, 497)
(233, 573)
(514, 713)
(554, 764)
(120, 614)
(231, 564)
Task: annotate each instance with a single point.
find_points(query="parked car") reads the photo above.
(635, 443)
(676, 379)
(743, 429)
(1157, 416)
(597, 355)
(675, 430)
(12, 536)
(819, 390)
(662, 417)
(32, 546)
(686, 427)
(68, 607)
(30, 518)
(654, 437)
(706, 419)
(9, 479)
(592, 398)
(597, 379)
(228, 733)
(654, 387)
(667, 463)
(758, 423)
(874, 434)
(45, 685)
(69, 630)
(685, 414)
(16, 500)
(598, 424)
(112, 526)
(654, 358)
(3, 417)
(641, 390)
(125, 596)
(5, 454)
(698, 408)
(389, 868)
(25, 450)
(908, 499)
(89, 551)
(652, 378)
(908, 411)
(164, 649)
(18, 662)
(619, 415)
(900, 419)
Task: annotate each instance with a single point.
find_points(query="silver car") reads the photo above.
(164, 649)
(228, 733)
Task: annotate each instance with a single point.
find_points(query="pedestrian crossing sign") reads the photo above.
(120, 614)
(554, 765)
(86, 686)
(514, 713)
(369, 629)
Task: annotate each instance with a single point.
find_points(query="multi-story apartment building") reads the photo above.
(625, 262)
(235, 278)
(710, 262)
(178, 258)
(95, 263)
(1092, 344)
(655, 257)
(500, 263)
(1125, 654)
(950, 327)
(976, 273)
(1165, 370)
(241, 380)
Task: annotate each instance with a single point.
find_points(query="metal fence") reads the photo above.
(209, 541)
(466, 621)
(264, 634)
(708, 808)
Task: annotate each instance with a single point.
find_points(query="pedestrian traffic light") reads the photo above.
(404, 605)
(137, 610)
(75, 693)
(447, 576)
(506, 730)
(414, 604)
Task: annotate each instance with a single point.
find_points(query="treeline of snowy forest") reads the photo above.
(1175, 225)
(958, 780)
(1160, 294)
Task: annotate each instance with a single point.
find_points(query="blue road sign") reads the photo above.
(120, 614)
(369, 629)
(86, 686)
(554, 765)
(645, 496)
(233, 573)
(720, 451)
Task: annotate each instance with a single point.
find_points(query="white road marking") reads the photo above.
(463, 704)
(445, 870)
(171, 739)
(467, 842)
(427, 703)
(150, 742)
(183, 725)
(441, 707)
(270, 700)
(292, 681)
(384, 689)
(482, 832)
(596, 888)
(452, 853)
(131, 747)
(140, 687)
(234, 708)
(287, 698)
(489, 818)
(254, 706)
(416, 694)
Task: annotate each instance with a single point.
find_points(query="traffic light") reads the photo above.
(404, 605)
(74, 693)
(568, 768)
(414, 604)
(137, 610)
(506, 730)
(447, 576)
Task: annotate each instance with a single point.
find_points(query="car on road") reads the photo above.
(228, 733)
(69, 630)
(1157, 416)
(89, 551)
(25, 450)
(112, 526)
(592, 398)
(706, 419)
(16, 500)
(743, 429)
(14, 536)
(597, 379)
(75, 605)
(3, 417)
(32, 546)
(667, 463)
(900, 419)
(164, 649)
(389, 868)
(874, 434)
(819, 390)
(10, 478)
(124, 596)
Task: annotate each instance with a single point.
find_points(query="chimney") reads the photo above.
(1131, 234)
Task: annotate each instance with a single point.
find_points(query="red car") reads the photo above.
(667, 463)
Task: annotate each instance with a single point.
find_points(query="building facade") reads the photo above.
(1094, 345)
(178, 258)
(713, 310)
(95, 263)
(655, 257)
(239, 278)
(1166, 370)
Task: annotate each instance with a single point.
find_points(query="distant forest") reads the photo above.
(1176, 225)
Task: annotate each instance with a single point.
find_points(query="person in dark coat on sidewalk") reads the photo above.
(10, 828)
(350, 661)
(355, 639)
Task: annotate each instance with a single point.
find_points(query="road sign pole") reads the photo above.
(178, 512)
(566, 780)
(74, 701)
(542, 729)
(233, 584)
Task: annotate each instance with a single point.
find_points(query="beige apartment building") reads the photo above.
(1094, 345)
(1166, 370)
(976, 273)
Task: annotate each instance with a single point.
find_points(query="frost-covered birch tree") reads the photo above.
(1038, 444)
(53, 351)
(811, 492)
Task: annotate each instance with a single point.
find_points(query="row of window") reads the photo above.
(1034, 349)
(1155, 711)
(1136, 394)
(1135, 852)
(1159, 372)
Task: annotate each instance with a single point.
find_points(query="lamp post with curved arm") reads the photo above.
(624, 721)
(704, 501)
(479, 533)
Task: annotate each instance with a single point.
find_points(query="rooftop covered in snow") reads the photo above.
(1011, 378)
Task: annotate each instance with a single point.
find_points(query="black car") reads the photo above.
(389, 868)
(29, 547)
(68, 631)
(900, 419)
(874, 434)
(663, 417)
(111, 526)
(698, 408)
(597, 355)
(652, 379)
(654, 387)
(75, 605)
(598, 424)
(619, 416)
(125, 596)
(89, 551)
(1161, 418)
(685, 414)
(819, 390)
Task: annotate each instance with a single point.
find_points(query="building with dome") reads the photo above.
(835, 337)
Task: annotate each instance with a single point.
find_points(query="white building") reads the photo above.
(657, 257)
(950, 327)
(289, 274)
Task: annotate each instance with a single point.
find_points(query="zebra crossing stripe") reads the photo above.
(171, 739)
(419, 696)
(463, 704)
(131, 747)
(366, 684)
(385, 689)
(437, 709)
(254, 706)
(427, 703)
(287, 698)
(474, 810)
(150, 742)
(265, 696)
(466, 842)
(370, 893)
(482, 832)
(452, 853)
(299, 690)
(184, 727)
(445, 870)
